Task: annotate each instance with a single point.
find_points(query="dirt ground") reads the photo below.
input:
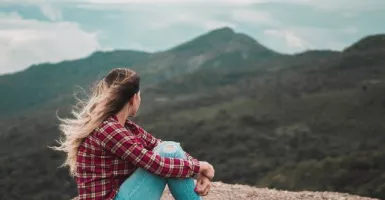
(222, 191)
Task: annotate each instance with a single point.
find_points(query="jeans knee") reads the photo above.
(170, 149)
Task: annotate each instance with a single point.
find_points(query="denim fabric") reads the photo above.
(143, 185)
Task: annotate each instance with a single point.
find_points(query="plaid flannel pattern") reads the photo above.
(112, 153)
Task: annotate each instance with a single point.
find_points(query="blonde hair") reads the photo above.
(108, 97)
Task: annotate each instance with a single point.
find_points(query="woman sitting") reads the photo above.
(112, 158)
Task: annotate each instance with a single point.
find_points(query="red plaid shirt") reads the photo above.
(112, 153)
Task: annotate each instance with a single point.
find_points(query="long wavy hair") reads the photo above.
(108, 97)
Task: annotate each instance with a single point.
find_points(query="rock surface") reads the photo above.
(222, 191)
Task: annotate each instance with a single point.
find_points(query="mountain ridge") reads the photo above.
(153, 67)
(369, 43)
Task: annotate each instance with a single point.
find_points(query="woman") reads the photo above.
(113, 158)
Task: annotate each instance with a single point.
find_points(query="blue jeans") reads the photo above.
(143, 185)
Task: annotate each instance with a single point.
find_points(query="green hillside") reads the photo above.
(41, 83)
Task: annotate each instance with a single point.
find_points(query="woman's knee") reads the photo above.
(170, 149)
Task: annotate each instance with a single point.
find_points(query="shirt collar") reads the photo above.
(127, 122)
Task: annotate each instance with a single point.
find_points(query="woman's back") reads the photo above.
(99, 172)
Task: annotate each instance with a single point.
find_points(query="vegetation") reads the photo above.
(310, 121)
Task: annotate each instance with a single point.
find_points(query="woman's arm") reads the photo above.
(188, 156)
(151, 141)
(119, 141)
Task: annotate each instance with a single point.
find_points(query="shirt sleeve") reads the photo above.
(189, 157)
(119, 141)
(151, 141)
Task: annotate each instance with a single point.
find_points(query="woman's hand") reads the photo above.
(207, 170)
(203, 185)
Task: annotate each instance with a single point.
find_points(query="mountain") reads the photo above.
(309, 121)
(373, 43)
(222, 48)
(227, 41)
(218, 49)
(39, 84)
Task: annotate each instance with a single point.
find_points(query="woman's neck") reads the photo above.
(122, 116)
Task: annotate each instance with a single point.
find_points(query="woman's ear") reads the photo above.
(131, 101)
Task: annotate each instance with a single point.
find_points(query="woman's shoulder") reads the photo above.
(111, 124)
(107, 123)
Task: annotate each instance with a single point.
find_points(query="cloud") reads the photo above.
(305, 38)
(340, 5)
(52, 13)
(347, 5)
(284, 25)
(233, 2)
(254, 16)
(25, 42)
(169, 20)
(215, 24)
(153, 4)
(291, 39)
(366, 5)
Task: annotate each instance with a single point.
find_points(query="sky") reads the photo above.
(37, 31)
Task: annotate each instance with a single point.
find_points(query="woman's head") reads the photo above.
(122, 91)
(117, 91)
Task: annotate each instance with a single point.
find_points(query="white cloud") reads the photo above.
(168, 18)
(346, 5)
(52, 13)
(340, 5)
(138, 46)
(206, 24)
(305, 38)
(154, 4)
(350, 30)
(234, 2)
(323, 4)
(254, 16)
(292, 40)
(214, 24)
(25, 42)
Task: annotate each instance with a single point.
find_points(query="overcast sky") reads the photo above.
(36, 31)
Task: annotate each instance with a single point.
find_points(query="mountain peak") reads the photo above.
(222, 31)
(219, 38)
(369, 43)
